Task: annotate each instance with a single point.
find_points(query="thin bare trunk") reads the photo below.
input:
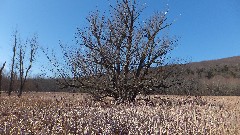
(12, 66)
(1, 76)
(23, 72)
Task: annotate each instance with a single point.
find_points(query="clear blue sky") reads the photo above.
(209, 29)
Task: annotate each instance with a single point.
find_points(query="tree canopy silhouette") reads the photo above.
(119, 55)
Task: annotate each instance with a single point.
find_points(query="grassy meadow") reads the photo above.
(67, 113)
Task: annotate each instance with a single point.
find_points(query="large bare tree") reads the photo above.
(119, 55)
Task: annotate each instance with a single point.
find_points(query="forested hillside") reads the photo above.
(215, 77)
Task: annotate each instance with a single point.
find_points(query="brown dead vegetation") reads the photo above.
(68, 113)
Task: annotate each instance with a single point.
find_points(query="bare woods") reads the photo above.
(23, 56)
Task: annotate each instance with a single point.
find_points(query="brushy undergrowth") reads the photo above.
(64, 113)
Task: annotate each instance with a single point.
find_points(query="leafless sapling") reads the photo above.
(25, 63)
(1, 70)
(10, 89)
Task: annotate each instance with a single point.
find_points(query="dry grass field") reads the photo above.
(65, 113)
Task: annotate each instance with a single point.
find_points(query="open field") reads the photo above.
(66, 113)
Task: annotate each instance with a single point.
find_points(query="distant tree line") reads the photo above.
(223, 82)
